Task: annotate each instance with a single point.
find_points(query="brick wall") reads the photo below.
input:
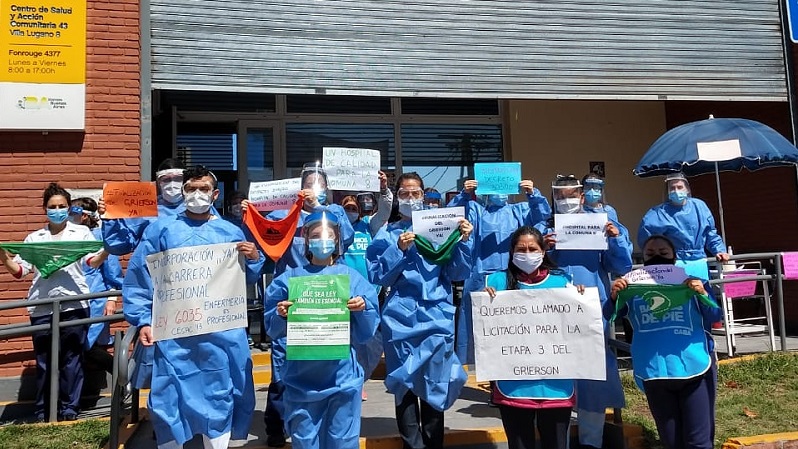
(108, 150)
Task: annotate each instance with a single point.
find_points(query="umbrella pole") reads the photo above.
(720, 206)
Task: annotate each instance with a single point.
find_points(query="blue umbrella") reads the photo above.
(715, 145)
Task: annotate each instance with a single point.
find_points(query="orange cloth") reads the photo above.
(273, 236)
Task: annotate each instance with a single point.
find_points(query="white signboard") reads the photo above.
(274, 195)
(538, 334)
(197, 290)
(657, 274)
(580, 231)
(94, 194)
(353, 169)
(436, 225)
(722, 150)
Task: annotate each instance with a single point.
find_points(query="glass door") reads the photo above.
(258, 158)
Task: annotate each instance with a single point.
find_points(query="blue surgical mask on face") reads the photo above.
(677, 196)
(497, 200)
(57, 216)
(321, 248)
(592, 196)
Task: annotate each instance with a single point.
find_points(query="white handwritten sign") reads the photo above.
(274, 195)
(580, 231)
(197, 290)
(352, 169)
(436, 225)
(535, 334)
(657, 274)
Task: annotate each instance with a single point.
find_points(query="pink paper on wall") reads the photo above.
(740, 289)
(790, 261)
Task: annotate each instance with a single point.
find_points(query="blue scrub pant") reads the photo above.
(684, 410)
(330, 423)
(70, 363)
(464, 334)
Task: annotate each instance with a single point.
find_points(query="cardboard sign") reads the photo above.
(436, 225)
(741, 289)
(581, 231)
(197, 290)
(354, 169)
(790, 262)
(318, 320)
(536, 334)
(497, 178)
(130, 199)
(274, 195)
(657, 274)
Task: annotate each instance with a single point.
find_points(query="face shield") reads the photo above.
(367, 203)
(677, 188)
(594, 192)
(432, 200)
(315, 178)
(567, 199)
(495, 200)
(321, 233)
(351, 207)
(76, 215)
(170, 184)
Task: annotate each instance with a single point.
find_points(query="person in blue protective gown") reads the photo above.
(366, 223)
(674, 358)
(423, 372)
(592, 268)
(322, 397)
(314, 187)
(200, 384)
(595, 201)
(122, 235)
(493, 224)
(688, 223)
(105, 278)
(527, 404)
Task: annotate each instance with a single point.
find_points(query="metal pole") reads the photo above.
(52, 366)
(780, 303)
(720, 206)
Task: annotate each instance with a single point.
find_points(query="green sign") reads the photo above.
(318, 320)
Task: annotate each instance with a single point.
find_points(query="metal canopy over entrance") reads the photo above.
(582, 49)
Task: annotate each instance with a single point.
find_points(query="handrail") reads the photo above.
(123, 356)
(52, 300)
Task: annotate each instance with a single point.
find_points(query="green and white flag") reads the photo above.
(49, 257)
(660, 298)
(318, 320)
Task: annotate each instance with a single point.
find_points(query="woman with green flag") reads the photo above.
(423, 372)
(673, 352)
(55, 255)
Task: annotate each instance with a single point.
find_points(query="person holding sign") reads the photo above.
(322, 396)
(673, 352)
(524, 403)
(592, 268)
(493, 224)
(122, 235)
(201, 384)
(688, 223)
(69, 280)
(423, 372)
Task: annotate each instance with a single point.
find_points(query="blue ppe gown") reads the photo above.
(107, 277)
(122, 235)
(493, 226)
(200, 384)
(322, 397)
(691, 229)
(418, 317)
(593, 268)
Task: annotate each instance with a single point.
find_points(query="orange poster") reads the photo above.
(130, 199)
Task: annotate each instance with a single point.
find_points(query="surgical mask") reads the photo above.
(407, 207)
(172, 191)
(321, 248)
(528, 262)
(568, 205)
(659, 260)
(198, 202)
(592, 196)
(57, 216)
(353, 217)
(677, 196)
(321, 195)
(433, 206)
(497, 200)
(236, 210)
